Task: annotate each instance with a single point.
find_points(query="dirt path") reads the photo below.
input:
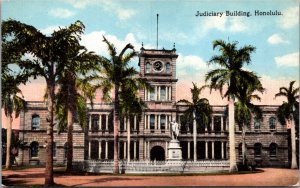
(270, 177)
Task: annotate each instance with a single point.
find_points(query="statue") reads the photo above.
(175, 130)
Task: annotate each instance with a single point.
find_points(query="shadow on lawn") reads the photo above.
(108, 179)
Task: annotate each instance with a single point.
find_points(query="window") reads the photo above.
(152, 120)
(273, 150)
(163, 93)
(163, 122)
(240, 150)
(148, 67)
(257, 150)
(272, 123)
(152, 94)
(65, 150)
(54, 149)
(35, 123)
(34, 149)
(95, 122)
(168, 68)
(256, 123)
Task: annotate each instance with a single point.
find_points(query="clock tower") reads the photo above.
(158, 68)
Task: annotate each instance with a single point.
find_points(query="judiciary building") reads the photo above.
(148, 137)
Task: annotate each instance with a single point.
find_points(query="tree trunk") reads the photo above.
(244, 144)
(8, 142)
(49, 180)
(128, 139)
(195, 136)
(70, 141)
(232, 154)
(116, 131)
(293, 143)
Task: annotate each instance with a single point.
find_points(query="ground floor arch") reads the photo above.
(157, 153)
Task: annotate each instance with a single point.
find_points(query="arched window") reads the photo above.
(148, 67)
(257, 149)
(273, 150)
(65, 150)
(34, 149)
(35, 122)
(152, 93)
(168, 68)
(54, 149)
(257, 123)
(272, 123)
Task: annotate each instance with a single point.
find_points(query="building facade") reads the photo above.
(147, 137)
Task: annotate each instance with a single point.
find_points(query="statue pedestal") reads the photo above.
(174, 151)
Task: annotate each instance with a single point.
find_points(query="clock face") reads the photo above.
(158, 66)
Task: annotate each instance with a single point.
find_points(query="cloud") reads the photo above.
(49, 30)
(214, 23)
(289, 60)
(61, 13)
(122, 12)
(80, 4)
(276, 39)
(290, 18)
(236, 24)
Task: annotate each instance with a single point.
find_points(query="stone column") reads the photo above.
(166, 151)
(148, 149)
(106, 149)
(124, 149)
(90, 122)
(189, 150)
(170, 93)
(212, 123)
(125, 123)
(167, 122)
(158, 93)
(100, 122)
(167, 94)
(90, 149)
(148, 124)
(106, 122)
(155, 93)
(213, 150)
(158, 122)
(134, 150)
(222, 150)
(195, 137)
(134, 123)
(100, 149)
(222, 124)
(128, 140)
(145, 150)
(155, 122)
(206, 150)
(145, 94)
(145, 122)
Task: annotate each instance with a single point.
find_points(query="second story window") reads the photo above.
(256, 123)
(148, 67)
(272, 123)
(152, 94)
(152, 121)
(163, 93)
(35, 123)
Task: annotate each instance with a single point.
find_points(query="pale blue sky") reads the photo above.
(276, 38)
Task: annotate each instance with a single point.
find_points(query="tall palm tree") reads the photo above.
(199, 110)
(116, 74)
(231, 61)
(244, 108)
(11, 102)
(47, 51)
(286, 113)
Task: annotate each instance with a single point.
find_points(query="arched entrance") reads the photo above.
(157, 153)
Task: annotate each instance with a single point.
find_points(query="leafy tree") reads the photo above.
(47, 51)
(288, 112)
(117, 75)
(231, 74)
(244, 109)
(199, 110)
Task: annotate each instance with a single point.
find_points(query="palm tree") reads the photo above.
(231, 60)
(117, 75)
(11, 102)
(199, 110)
(244, 110)
(47, 52)
(286, 113)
